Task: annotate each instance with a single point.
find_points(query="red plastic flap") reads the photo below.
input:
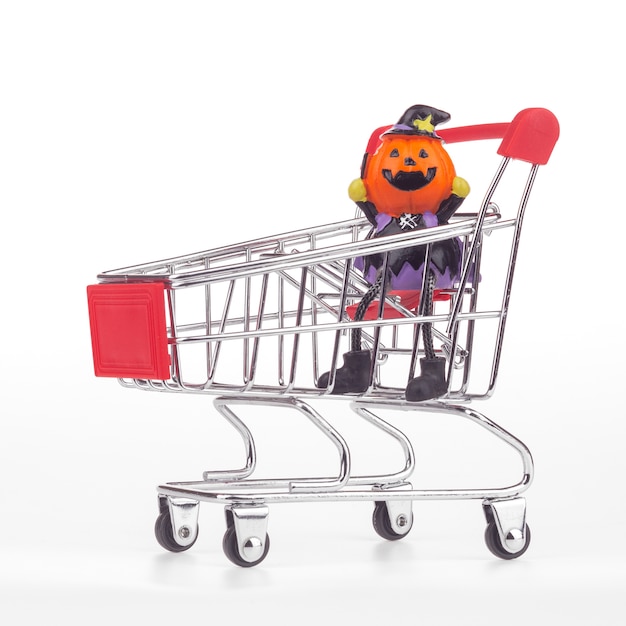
(531, 136)
(128, 330)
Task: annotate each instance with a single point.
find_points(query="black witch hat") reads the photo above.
(420, 119)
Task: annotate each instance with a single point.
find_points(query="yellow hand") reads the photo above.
(460, 187)
(357, 191)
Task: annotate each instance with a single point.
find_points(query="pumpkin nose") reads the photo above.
(409, 161)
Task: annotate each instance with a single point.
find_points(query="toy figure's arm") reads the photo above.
(358, 194)
(447, 208)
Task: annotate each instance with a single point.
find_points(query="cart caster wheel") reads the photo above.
(165, 534)
(382, 522)
(256, 551)
(494, 543)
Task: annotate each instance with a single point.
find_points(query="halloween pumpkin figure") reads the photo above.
(408, 182)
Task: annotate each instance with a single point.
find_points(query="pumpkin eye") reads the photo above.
(423, 154)
(394, 153)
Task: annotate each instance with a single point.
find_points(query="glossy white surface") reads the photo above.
(132, 131)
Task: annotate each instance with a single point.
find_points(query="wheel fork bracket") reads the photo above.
(509, 516)
(184, 515)
(400, 515)
(250, 524)
(400, 512)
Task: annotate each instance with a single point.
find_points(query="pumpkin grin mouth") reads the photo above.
(409, 181)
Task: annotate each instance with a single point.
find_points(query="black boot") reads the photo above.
(431, 383)
(353, 376)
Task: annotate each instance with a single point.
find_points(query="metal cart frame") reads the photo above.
(255, 323)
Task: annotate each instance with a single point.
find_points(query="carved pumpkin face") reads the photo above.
(408, 174)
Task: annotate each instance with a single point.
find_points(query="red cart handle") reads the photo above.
(531, 135)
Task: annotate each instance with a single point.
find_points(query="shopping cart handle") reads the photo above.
(531, 135)
(475, 132)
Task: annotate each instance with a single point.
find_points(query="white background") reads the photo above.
(131, 131)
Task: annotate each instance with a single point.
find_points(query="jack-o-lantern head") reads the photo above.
(410, 171)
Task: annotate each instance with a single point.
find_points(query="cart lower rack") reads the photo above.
(265, 323)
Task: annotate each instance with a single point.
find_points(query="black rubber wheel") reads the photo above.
(165, 535)
(229, 544)
(382, 524)
(492, 539)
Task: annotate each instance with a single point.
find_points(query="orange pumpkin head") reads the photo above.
(410, 172)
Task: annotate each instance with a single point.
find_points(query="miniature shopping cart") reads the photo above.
(256, 324)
